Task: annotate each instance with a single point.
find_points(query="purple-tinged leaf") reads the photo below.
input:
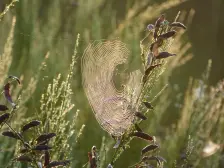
(149, 148)
(167, 35)
(58, 163)
(14, 78)
(42, 147)
(30, 125)
(148, 70)
(4, 117)
(140, 115)
(157, 25)
(7, 94)
(3, 107)
(148, 158)
(154, 47)
(159, 21)
(45, 137)
(159, 159)
(164, 55)
(10, 134)
(142, 135)
(148, 105)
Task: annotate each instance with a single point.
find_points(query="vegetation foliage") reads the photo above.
(45, 118)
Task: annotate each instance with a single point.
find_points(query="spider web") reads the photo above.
(113, 108)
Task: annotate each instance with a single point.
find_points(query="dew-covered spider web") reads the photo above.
(114, 107)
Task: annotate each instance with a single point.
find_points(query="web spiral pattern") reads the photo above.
(113, 108)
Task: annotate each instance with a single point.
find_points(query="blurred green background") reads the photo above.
(52, 26)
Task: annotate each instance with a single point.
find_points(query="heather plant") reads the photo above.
(33, 148)
(119, 110)
(32, 139)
